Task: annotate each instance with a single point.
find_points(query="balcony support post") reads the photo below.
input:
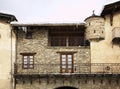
(86, 79)
(79, 78)
(39, 79)
(101, 79)
(15, 82)
(93, 81)
(63, 79)
(55, 79)
(109, 81)
(117, 81)
(94, 78)
(30, 78)
(78, 81)
(47, 79)
(23, 80)
(71, 79)
(109, 78)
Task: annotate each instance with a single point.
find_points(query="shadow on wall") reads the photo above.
(66, 87)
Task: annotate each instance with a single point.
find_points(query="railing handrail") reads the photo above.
(74, 63)
(79, 68)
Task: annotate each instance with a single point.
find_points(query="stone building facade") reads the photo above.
(54, 64)
(65, 56)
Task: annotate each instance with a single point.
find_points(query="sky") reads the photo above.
(53, 11)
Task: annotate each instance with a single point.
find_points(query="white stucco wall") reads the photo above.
(104, 51)
(5, 55)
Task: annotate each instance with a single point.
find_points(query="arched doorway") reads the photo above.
(66, 87)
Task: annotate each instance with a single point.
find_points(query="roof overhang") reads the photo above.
(7, 17)
(111, 8)
(47, 24)
(50, 25)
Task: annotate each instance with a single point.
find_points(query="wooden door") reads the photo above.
(66, 63)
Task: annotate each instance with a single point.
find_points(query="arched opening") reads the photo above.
(66, 87)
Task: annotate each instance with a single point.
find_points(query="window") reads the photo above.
(66, 37)
(29, 35)
(87, 43)
(66, 63)
(116, 35)
(94, 31)
(28, 60)
(111, 19)
(89, 23)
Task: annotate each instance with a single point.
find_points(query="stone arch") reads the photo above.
(66, 87)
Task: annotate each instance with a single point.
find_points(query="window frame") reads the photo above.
(66, 63)
(28, 60)
(67, 53)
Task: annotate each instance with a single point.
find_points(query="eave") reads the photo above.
(111, 8)
(8, 17)
(50, 25)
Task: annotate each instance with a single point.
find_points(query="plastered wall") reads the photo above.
(103, 51)
(5, 55)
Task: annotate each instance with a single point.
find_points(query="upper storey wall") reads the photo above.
(45, 53)
(105, 51)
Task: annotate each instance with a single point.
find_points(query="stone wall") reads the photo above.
(95, 28)
(46, 54)
(79, 82)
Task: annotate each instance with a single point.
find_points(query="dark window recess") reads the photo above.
(87, 43)
(94, 31)
(66, 38)
(89, 23)
(29, 35)
(116, 40)
(102, 32)
(111, 19)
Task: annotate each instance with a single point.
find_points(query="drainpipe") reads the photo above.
(11, 57)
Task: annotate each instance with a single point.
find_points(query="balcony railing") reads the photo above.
(79, 68)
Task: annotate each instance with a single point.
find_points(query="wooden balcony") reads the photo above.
(79, 68)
